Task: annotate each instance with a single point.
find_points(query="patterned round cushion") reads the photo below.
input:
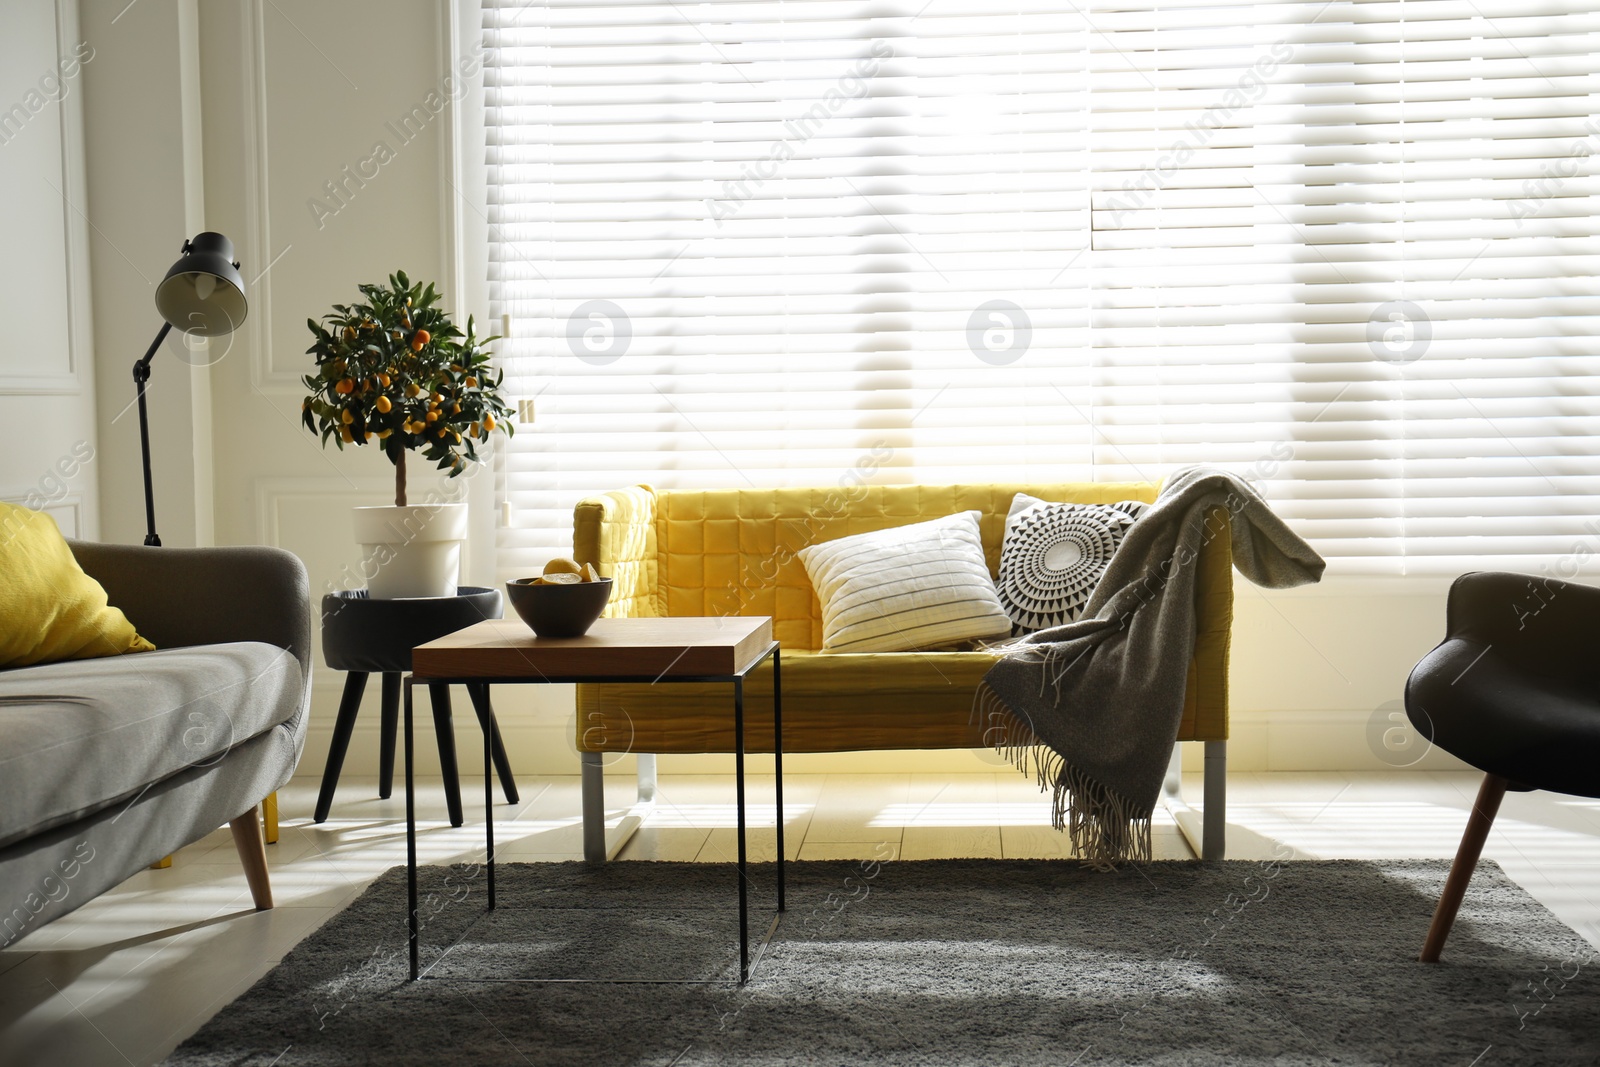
(1053, 556)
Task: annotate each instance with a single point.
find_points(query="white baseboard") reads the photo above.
(537, 725)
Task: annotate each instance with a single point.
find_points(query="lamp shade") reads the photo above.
(203, 293)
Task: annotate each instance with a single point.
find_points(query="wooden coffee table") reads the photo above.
(647, 651)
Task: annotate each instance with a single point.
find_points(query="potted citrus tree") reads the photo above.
(395, 373)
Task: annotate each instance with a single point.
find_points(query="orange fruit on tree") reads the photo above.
(420, 338)
(488, 423)
(384, 404)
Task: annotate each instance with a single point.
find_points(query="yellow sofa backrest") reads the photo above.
(735, 551)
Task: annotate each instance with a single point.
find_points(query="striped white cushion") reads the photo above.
(910, 587)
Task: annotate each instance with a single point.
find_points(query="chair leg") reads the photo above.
(390, 725)
(444, 729)
(1484, 810)
(355, 683)
(253, 856)
(486, 720)
(269, 816)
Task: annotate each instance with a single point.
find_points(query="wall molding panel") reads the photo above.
(68, 374)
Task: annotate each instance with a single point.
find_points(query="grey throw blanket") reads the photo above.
(1097, 702)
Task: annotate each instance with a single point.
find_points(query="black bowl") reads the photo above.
(559, 610)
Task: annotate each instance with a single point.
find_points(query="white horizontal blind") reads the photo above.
(1194, 311)
(1432, 131)
(1042, 240)
(794, 212)
(1349, 246)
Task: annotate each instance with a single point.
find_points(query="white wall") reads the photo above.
(1318, 673)
(47, 365)
(137, 192)
(234, 115)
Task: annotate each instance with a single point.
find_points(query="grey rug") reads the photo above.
(940, 962)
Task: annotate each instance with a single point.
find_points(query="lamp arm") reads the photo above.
(141, 375)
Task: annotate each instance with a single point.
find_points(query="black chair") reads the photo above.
(1514, 690)
(364, 636)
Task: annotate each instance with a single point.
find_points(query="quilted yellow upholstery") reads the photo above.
(617, 533)
(734, 551)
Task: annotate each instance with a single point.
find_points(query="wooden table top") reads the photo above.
(627, 649)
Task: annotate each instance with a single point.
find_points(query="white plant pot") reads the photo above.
(414, 551)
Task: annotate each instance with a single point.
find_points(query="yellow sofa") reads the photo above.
(735, 552)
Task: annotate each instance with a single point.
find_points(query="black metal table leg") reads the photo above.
(355, 683)
(777, 758)
(480, 704)
(389, 720)
(411, 839)
(744, 884)
(488, 807)
(492, 768)
(444, 728)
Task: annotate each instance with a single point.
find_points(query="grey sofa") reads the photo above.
(107, 765)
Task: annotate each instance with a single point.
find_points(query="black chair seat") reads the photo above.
(377, 636)
(1483, 708)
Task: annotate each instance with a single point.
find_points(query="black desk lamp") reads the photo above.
(202, 295)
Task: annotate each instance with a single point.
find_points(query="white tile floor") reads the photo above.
(125, 978)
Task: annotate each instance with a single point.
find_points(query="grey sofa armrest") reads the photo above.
(178, 597)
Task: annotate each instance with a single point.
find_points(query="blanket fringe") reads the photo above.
(1104, 827)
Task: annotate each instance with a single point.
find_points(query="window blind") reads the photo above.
(1346, 247)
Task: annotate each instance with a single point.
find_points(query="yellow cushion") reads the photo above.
(49, 609)
(878, 700)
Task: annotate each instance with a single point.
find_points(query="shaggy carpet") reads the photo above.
(938, 962)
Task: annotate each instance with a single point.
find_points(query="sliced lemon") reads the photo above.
(589, 573)
(562, 578)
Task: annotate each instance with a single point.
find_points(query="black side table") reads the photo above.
(363, 636)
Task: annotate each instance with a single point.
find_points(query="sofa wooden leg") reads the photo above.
(161, 864)
(269, 816)
(1484, 809)
(253, 856)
